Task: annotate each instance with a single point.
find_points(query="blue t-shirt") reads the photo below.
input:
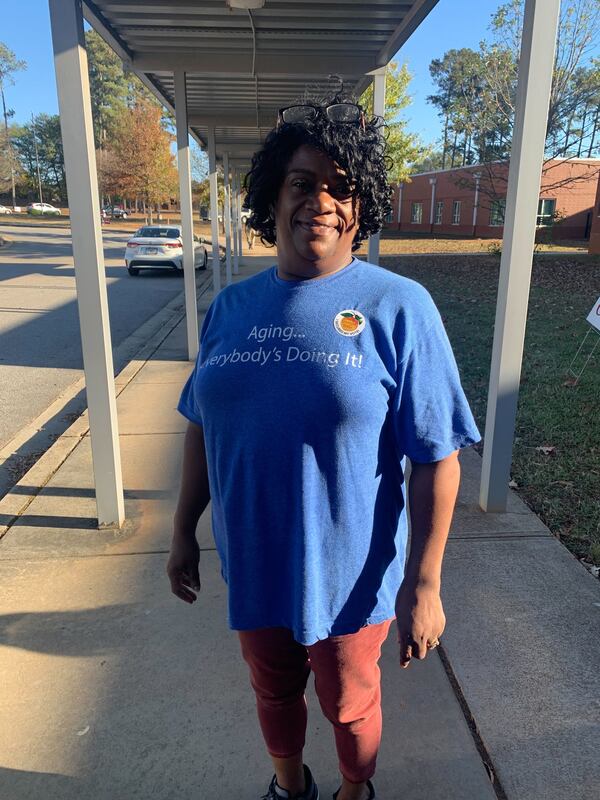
(310, 394)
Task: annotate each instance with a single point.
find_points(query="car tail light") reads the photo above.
(171, 244)
(132, 244)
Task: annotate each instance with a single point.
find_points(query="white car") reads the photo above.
(161, 247)
(5, 210)
(43, 208)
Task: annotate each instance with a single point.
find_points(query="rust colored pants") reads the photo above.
(347, 682)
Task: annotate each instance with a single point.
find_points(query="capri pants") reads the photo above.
(347, 682)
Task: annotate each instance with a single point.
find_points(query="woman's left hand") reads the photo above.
(420, 619)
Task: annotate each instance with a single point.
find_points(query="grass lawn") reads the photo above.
(562, 482)
(394, 243)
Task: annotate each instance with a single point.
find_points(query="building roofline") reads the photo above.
(503, 161)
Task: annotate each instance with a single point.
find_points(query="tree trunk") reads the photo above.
(454, 148)
(445, 147)
(594, 130)
(9, 148)
(582, 131)
(568, 135)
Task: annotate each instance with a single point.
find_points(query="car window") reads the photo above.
(162, 233)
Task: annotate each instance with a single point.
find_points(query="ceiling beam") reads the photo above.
(197, 9)
(229, 65)
(238, 119)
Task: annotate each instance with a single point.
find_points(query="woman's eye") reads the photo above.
(300, 184)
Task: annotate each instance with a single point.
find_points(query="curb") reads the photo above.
(136, 350)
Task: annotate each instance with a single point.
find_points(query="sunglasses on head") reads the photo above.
(338, 113)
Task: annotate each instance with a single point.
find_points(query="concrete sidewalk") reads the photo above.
(112, 688)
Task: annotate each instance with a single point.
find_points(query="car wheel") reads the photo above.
(133, 271)
(123, 215)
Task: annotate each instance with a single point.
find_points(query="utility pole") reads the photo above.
(9, 147)
(37, 159)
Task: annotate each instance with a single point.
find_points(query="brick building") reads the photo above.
(595, 232)
(470, 201)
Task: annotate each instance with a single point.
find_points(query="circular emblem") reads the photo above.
(349, 322)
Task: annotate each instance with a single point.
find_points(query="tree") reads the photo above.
(402, 147)
(574, 87)
(9, 64)
(9, 168)
(475, 129)
(139, 162)
(108, 86)
(430, 161)
(112, 90)
(198, 161)
(39, 143)
(476, 94)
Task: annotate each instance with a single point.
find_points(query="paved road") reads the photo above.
(40, 349)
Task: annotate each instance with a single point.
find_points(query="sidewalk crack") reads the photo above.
(472, 725)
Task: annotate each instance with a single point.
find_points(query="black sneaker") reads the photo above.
(369, 787)
(277, 793)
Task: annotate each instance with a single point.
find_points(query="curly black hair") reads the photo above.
(359, 150)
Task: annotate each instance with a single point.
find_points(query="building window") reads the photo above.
(456, 212)
(439, 211)
(546, 212)
(416, 213)
(497, 209)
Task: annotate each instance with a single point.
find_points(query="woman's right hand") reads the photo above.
(182, 567)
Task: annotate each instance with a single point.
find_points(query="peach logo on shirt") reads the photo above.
(349, 322)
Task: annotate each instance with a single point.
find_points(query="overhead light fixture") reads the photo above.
(245, 4)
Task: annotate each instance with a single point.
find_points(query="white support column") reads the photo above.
(239, 213)
(400, 192)
(214, 210)
(234, 220)
(70, 60)
(433, 182)
(533, 96)
(187, 219)
(227, 217)
(238, 225)
(379, 109)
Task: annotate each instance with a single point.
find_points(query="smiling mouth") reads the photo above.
(317, 228)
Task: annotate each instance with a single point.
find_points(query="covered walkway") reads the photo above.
(224, 67)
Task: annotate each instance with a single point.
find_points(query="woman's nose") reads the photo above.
(320, 200)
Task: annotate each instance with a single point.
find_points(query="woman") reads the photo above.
(316, 379)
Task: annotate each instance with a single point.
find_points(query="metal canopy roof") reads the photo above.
(242, 66)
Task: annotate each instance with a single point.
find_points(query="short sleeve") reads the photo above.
(432, 417)
(188, 404)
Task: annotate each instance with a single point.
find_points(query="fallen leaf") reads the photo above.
(84, 731)
(546, 449)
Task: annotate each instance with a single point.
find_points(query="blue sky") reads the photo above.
(452, 24)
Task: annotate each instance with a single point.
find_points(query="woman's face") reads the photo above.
(315, 216)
